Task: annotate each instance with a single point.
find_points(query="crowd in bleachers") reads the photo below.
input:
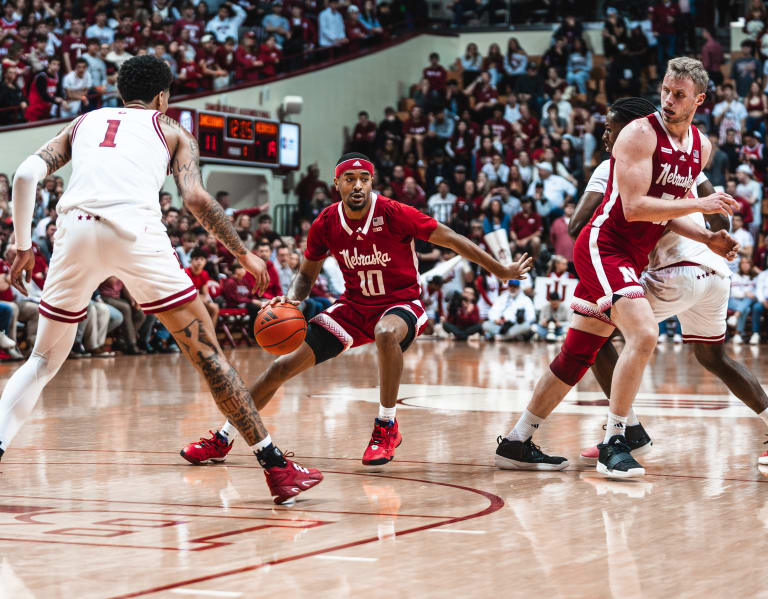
(60, 59)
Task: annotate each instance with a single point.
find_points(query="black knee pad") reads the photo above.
(324, 344)
(410, 320)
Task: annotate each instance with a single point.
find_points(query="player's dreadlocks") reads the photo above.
(629, 109)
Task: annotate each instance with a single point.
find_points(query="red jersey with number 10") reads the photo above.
(376, 254)
(674, 173)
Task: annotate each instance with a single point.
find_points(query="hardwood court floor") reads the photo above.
(96, 502)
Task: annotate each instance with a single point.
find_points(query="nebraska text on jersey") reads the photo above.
(372, 259)
(667, 178)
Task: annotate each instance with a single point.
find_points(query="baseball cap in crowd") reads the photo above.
(460, 168)
(353, 8)
(545, 166)
(206, 38)
(611, 11)
(744, 168)
(514, 283)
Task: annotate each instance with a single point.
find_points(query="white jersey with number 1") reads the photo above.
(120, 160)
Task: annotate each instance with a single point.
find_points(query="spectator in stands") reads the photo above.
(265, 229)
(227, 22)
(471, 63)
(270, 56)
(555, 57)
(46, 244)
(557, 190)
(412, 194)
(745, 239)
(463, 318)
(117, 296)
(363, 135)
(285, 271)
(76, 84)
(12, 100)
(511, 315)
(355, 31)
(435, 74)
(712, 57)
(742, 298)
(202, 281)
(553, 319)
(119, 54)
(45, 94)
(757, 108)
(497, 171)
(415, 130)
(368, 18)
(579, 66)
(237, 292)
(100, 29)
(526, 227)
(515, 63)
(189, 22)
(73, 45)
(247, 63)
(753, 153)
(752, 191)
(331, 30)
(184, 251)
(486, 96)
(495, 217)
(560, 241)
(225, 58)
(718, 163)
(213, 76)
(441, 203)
(665, 16)
(760, 305)
(276, 24)
(745, 69)
(97, 68)
(755, 23)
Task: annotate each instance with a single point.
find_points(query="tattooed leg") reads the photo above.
(193, 330)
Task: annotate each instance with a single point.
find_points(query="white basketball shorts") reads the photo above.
(87, 250)
(697, 295)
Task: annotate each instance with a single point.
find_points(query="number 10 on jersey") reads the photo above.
(371, 282)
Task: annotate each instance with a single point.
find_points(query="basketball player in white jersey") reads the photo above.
(109, 224)
(684, 279)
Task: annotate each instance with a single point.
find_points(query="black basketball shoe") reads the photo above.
(524, 455)
(615, 459)
(638, 440)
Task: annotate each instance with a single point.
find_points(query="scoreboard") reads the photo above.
(226, 138)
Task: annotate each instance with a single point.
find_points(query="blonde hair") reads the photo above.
(684, 67)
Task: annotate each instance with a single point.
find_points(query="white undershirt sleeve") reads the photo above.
(701, 178)
(32, 170)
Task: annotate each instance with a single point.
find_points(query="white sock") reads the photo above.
(262, 444)
(525, 427)
(52, 346)
(387, 413)
(228, 431)
(632, 418)
(616, 426)
(764, 415)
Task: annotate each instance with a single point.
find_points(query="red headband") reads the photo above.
(354, 163)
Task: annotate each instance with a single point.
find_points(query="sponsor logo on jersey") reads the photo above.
(355, 260)
(378, 221)
(674, 178)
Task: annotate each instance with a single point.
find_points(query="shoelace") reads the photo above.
(378, 437)
(212, 441)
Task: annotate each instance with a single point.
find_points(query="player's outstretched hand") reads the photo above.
(258, 268)
(281, 299)
(723, 245)
(719, 203)
(21, 269)
(517, 270)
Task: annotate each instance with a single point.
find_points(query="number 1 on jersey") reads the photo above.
(109, 137)
(371, 282)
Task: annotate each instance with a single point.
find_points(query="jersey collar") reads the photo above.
(368, 220)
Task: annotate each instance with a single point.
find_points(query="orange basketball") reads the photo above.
(280, 329)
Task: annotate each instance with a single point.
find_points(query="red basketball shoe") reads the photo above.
(214, 449)
(384, 439)
(288, 481)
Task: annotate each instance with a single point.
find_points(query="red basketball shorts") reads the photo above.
(603, 273)
(353, 324)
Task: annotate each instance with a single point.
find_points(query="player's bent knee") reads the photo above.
(577, 354)
(711, 356)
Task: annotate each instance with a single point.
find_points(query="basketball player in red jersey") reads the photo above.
(110, 224)
(654, 165)
(371, 238)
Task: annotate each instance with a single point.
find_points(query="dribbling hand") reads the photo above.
(723, 245)
(21, 269)
(517, 270)
(258, 268)
(281, 299)
(718, 203)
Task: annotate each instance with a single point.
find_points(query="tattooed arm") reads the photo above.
(58, 151)
(304, 280)
(186, 173)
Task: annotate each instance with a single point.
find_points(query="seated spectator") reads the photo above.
(412, 194)
(119, 53)
(213, 76)
(247, 63)
(274, 289)
(553, 319)
(515, 63)
(440, 169)
(760, 305)
(237, 292)
(270, 56)
(76, 84)
(752, 153)
(331, 30)
(456, 101)
(363, 135)
(560, 241)
(184, 251)
(45, 93)
(441, 203)
(486, 96)
(745, 239)
(100, 30)
(463, 318)
(390, 128)
(556, 189)
(511, 315)
(189, 22)
(12, 100)
(202, 282)
(494, 63)
(264, 228)
(354, 29)
(415, 130)
(441, 129)
(471, 63)
(495, 217)
(225, 58)
(435, 74)
(745, 69)
(579, 66)
(730, 113)
(526, 228)
(116, 295)
(751, 191)
(368, 18)
(434, 303)
(742, 298)
(497, 171)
